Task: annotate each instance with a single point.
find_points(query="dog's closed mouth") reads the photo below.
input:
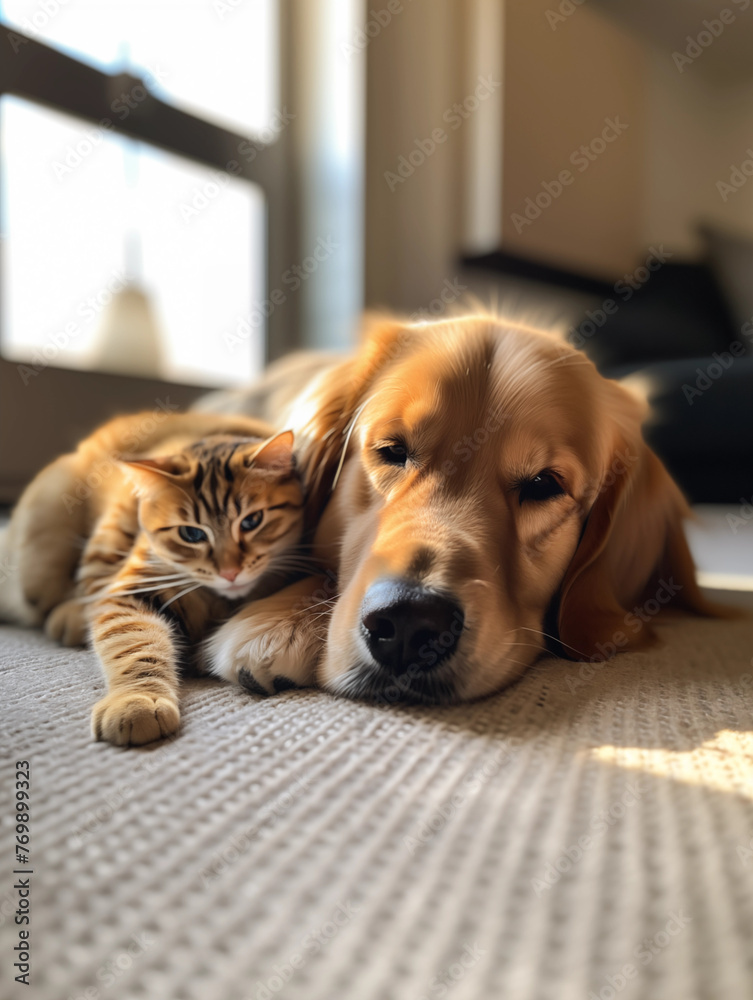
(370, 682)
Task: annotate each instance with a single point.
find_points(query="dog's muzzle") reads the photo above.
(408, 628)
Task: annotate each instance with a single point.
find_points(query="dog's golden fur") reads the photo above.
(482, 407)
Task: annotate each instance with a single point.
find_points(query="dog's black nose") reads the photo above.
(405, 624)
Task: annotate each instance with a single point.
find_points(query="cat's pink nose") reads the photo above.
(229, 574)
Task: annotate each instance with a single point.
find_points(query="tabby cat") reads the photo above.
(181, 515)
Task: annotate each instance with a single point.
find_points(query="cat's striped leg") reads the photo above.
(274, 644)
(103, 555)
(138, 649)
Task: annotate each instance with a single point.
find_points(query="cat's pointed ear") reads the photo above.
(170, 466)
(276, 454)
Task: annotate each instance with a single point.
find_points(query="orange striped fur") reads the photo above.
(182, 518)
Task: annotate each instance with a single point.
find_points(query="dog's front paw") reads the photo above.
(271, 646)
(68, 623)
(262, 660)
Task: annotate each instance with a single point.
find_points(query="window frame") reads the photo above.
(46, 76)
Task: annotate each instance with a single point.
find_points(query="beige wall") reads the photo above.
(412, 227)
(686, 133)
(559, 84)
(562, 82)
(699, 129)
(549, 102)
(426, 60)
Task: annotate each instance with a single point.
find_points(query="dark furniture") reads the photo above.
(682, 326)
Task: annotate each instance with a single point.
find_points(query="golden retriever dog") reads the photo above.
(478, 490)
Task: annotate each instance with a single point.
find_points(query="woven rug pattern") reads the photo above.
(587, 833)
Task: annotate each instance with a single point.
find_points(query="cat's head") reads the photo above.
(222, 510)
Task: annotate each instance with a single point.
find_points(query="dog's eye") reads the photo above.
(393, 454)
(544, 486)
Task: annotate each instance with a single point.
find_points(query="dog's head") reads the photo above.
(490, 488)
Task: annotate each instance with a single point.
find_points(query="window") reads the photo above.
(122, 257)
(140, 207)
(217, 59)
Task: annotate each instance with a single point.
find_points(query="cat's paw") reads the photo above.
(68, 623)
(130, 718)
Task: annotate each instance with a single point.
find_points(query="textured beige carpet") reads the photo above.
(587, 833)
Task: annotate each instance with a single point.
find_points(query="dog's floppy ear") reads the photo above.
(632, 560)
(338, 401)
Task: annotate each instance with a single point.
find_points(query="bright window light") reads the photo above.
(84, 211)
(217, 58)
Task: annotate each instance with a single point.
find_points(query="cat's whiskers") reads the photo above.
(328, 600)
(295, 557)
(177, 597)
(320, 615)
(153, 579)
(173, 581)
(154, 588)
(120, 591)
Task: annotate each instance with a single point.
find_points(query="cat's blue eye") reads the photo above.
(252, 521)
(192, 535)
